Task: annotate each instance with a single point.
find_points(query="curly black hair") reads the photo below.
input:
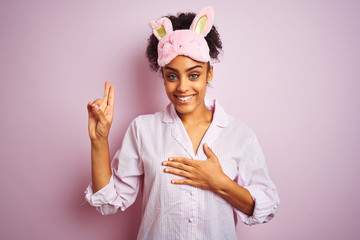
(183, 21)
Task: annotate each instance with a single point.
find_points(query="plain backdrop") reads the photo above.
(290, 70)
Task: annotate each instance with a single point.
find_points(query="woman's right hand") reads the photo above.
(101, 115)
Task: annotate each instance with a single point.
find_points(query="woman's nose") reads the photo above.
(183, 85)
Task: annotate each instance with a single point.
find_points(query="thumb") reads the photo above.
(209, 153)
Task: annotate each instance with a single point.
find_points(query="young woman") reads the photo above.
(198, 168)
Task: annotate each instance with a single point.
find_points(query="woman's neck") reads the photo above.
(201, 115)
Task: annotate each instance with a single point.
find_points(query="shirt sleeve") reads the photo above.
(253, 176)
(127, 171)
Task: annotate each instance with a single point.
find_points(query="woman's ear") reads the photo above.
(210, 74)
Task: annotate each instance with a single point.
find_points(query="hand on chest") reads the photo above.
(177, 140)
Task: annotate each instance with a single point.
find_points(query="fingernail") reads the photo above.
(164, 163)
(205, 145)
(172, 181)
(96, 108)
(170, 159)
(166, 170)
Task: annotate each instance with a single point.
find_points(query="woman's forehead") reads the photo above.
(184, 63)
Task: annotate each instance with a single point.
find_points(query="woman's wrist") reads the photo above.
(220, 185)
(99, 143)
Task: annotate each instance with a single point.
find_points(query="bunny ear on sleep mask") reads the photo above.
(187, 42)
(203, 21)
(161, 27)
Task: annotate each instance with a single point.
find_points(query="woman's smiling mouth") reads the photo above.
(184, 99)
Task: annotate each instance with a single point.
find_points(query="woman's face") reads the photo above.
(185, 83)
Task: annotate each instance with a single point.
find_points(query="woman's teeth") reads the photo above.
(184, 98)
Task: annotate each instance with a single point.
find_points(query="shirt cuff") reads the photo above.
(264, 210)
(101, 197)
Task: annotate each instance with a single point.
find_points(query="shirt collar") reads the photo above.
(220, 117)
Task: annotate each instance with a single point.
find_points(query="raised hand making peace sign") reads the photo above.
(101, 114)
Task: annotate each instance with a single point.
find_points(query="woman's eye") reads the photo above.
(194, 76)
(171, 77)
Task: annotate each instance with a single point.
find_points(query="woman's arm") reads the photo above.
(112, 189)
(236, 195)
(100, 164)
(116, 188)
(100, 119)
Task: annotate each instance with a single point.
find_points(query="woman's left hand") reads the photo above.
(206, 174)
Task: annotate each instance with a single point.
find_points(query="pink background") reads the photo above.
(290, 70)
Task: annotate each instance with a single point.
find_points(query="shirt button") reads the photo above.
(191, 193)
(190, 220)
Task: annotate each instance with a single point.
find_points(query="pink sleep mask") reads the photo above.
(190, 42)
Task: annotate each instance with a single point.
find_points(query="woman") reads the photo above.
(197, 166)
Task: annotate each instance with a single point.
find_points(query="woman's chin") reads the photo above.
(184, 109)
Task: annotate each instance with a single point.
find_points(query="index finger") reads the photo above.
(183, 160)
(106, 93)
